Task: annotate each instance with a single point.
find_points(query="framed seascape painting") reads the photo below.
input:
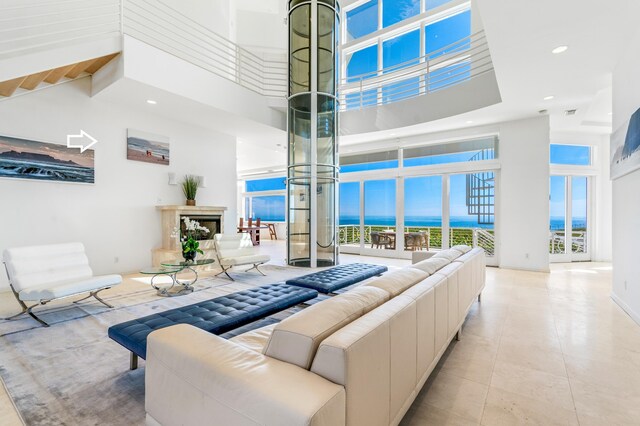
(147, 147)
(28, 159)
(625, 147)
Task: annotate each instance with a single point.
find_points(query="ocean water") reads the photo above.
(45, 171)
(555, 224)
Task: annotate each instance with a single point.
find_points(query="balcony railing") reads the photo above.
(456, 63)
(35, 25)
(474, 237)
(165, 28)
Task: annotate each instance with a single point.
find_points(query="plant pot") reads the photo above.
(189, 257)
(191, 202)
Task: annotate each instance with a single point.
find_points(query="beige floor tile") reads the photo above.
(428, 415)
(454, 394)
(533, 357)
(507, 408)
(614, 376)
(596, 405)
(544, 387)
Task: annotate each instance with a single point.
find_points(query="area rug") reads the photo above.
(72, 374)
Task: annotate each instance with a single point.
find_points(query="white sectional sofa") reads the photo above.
(359, 358)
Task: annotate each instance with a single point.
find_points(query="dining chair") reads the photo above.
(272, 231)
(240, 223)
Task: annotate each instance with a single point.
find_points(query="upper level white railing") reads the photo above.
(456, 63)
(165, 28)
(32, 25)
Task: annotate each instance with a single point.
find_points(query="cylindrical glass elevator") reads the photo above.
(312, 172)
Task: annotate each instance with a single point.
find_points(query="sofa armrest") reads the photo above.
(194, 377)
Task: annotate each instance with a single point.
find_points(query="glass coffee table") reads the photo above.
(171, 269)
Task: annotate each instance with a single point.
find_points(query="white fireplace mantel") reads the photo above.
(171, 220)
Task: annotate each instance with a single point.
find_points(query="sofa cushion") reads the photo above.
(449, 254)
(462, 248)
(398, 281)
(338, 277)
(256, 339)
(56, 290)
(296, 339)
(430, 266)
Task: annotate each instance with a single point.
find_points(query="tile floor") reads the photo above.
(540, 349)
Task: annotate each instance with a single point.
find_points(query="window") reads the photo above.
(457, 152)
(362, 64)
(575, 155)
(432, 4)
(397, 53)
(447, 32)
(270, 184)
(394, 11)
(362, 20)
(269, 208)
(374, 161)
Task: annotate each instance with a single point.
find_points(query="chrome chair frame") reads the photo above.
(29, 309)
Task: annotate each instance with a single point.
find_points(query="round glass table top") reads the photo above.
(160, 270)
(179, 263)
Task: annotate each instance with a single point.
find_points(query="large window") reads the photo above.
(362, 20)
(270, 184)
(361, 65)
(373, 161)
(575, 155)
(457, 152)
(265, 199)
(400, 52)
(447, 32)
(394, 11)
(430, 34)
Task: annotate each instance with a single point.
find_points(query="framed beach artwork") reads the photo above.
(625, 147)
(28, 159)
(147, 147)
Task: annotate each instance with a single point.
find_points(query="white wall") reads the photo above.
(626, 202)
(216, 15)
(524, 194)
(116, 216)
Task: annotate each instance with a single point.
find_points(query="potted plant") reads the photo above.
(189, 238)
(190, 188)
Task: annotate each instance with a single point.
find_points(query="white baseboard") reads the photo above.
(634, 315)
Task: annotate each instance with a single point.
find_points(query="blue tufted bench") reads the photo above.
(216, 316)
(341, 276)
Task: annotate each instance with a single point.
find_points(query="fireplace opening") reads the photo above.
(211, 222)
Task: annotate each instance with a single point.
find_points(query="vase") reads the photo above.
(189, 257)
(191, 202)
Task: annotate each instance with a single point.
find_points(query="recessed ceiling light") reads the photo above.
(559, 49)
(470, 122)
(548, 98)
(151, 102)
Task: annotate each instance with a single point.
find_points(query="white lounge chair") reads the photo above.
(43, 273)
(237, 250)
